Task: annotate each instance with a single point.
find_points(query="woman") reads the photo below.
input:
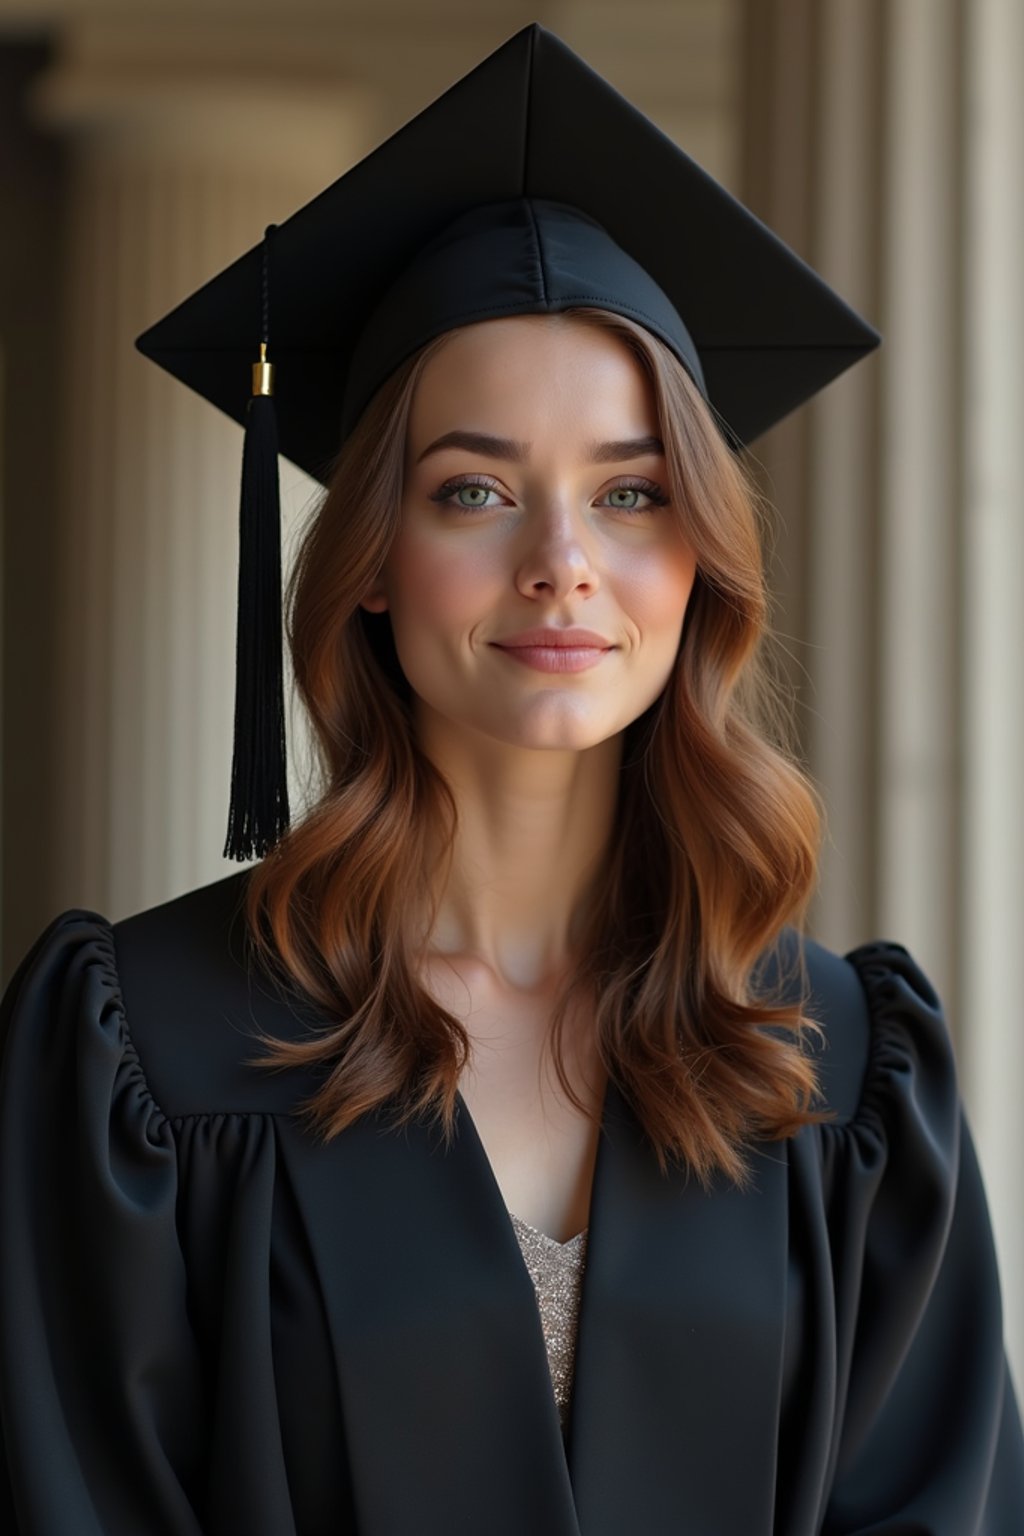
(702, 1243)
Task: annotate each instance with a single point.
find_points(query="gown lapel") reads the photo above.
(679, 1355)
(450, 1419)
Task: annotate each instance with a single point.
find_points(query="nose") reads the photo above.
(558, 555)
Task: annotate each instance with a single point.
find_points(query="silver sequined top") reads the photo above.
(556, 1270)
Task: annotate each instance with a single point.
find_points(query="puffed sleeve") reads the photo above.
(930, 1439)
(100, 1381)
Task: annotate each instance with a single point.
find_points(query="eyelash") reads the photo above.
(447, 491)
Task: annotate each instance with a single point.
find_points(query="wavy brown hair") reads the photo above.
(714, 848)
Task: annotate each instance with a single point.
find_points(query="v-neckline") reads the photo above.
(551, 1241)
(466, 1119)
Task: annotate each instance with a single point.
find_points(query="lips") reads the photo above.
(558, 639)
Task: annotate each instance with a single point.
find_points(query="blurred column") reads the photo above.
(991, 562)
(813, 97)
(181, 156)
(852, 156)
(916, 571)
(843, 535)
(779, 40)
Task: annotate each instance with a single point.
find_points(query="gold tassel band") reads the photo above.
(263, 374)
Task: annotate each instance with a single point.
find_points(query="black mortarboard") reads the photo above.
(529, 185)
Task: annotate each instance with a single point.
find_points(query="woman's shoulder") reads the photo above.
(174, 984)
(193, 1002)
(884, 1028)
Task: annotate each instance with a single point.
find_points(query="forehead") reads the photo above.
(517, 373)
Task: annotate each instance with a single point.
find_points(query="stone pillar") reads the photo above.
(990, 559)
(812, 140)
(916, 571)
(180, 159)
(778, 103)
(843, 537)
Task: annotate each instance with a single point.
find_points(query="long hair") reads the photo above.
(714, 848)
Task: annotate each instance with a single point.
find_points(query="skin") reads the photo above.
(532, 757)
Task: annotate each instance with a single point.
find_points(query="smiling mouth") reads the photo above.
(557, 658)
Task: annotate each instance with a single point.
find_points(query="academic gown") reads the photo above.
(210, 1323)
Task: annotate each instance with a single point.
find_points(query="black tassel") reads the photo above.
(258, 813)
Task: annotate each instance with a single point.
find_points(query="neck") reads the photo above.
(533, 831)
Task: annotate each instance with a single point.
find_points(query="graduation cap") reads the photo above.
(530, 185)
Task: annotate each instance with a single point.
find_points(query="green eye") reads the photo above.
(450, 494)
(483, 491)
(654, 494)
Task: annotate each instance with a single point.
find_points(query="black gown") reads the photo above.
(211, 1324)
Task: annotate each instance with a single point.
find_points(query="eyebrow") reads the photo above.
(519, 453)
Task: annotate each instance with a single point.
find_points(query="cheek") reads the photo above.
(440, 580)
(656, 590)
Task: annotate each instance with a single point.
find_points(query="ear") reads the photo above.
(375, 601)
